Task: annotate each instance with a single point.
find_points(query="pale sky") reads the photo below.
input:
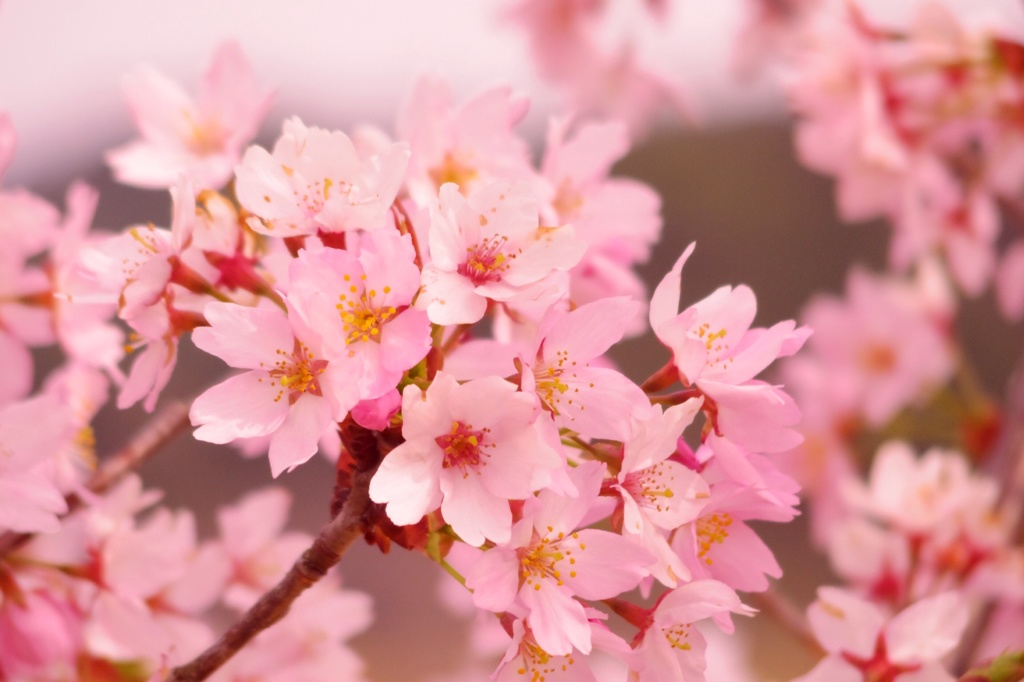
(335, 63)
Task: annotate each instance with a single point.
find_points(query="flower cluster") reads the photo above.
(443, 309)
(920, 124)
(918, 120)
(435, 311)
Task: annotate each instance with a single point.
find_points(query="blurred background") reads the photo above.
(728, 179)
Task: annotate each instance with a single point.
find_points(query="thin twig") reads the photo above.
(326, 551)
(162, 429)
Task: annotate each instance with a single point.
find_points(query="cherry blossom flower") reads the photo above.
(525, 656)
(547, 564)
(925, 494)
(671, 647)
(310, 642)
(290, 393)
(468, 449)
(471, 145)
(659, 495)
(316, 181)
(40, 637)
(28, 225)
(358, 300)
(864, 643)
(715, 350)
(719, 544)
(617, 218)
(915, 122)
(569, 42)
(252, 541)
(202, 138)
(84, 330)
(159, 284)
(562, 369)
(490, 246)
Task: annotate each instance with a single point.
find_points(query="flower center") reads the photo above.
(539, 663)
(205, 137)
(550, 387)
(878, 668)
(650, 486)
(567, 201)
(463, 447)
(316, 193)
(542, 560)
(485, 261)
(298, 372)
(677, 636)
(878, 358)
(362, 314)
(452, 169)
(711, 530)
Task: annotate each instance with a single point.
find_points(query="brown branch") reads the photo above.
(332, 542)
(162, 429)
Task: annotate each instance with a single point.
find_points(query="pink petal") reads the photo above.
(298, 437)
(665, 300)
(244, 406)
(590, 330)
(254, 521)
(244, 337)
(230, 93)
(473, 512)
(926, 630)
(558, 621)
(843, 622)
(30, 502)
(598, 403)
(450, 298)
(494, 579)
(407, 481)
(606, 564)
(16, 369)
(405, 340)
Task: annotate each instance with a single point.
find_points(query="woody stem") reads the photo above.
(326, 551)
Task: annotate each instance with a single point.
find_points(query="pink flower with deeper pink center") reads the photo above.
(547, 564)
(490, 246)
(290, 393)
(884, 346)
(659, 495)
(719, 544)
(253, 540)
(864, 643)
(468, 449)
(358, 300)
(671, 647)
(715, 350)
(564, 368)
